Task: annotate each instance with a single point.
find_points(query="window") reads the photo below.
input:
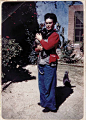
(78, 26)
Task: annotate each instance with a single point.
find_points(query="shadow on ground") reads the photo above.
(62, 93)
(16, 75)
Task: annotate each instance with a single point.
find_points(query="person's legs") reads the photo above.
(50, 86)
(41, 84)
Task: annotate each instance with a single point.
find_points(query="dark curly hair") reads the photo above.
(51, 16)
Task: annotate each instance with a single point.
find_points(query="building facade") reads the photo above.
(75, 24)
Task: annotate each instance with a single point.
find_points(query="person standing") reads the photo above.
(47, 64)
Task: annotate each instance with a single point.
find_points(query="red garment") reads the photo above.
(50, 45)
(52, 41)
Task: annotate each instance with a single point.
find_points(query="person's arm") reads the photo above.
(52, 41)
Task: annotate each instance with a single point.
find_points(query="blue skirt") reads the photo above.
(47, 84)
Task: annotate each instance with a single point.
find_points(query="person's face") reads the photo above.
(49, 24)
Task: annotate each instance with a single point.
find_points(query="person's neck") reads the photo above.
(50, 30)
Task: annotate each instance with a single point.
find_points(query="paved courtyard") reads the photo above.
(19, 99)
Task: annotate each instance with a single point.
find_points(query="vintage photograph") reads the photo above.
(42, 62)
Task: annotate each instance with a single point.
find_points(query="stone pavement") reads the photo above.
(19, 99)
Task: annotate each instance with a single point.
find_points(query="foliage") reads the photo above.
(67, 49)
(10, 49)
(32, 56)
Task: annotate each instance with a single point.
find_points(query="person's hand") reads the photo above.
(38, 36)
(39, 47)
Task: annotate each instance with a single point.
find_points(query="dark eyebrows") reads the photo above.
(48, 22)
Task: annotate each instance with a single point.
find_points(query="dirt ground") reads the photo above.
(19, 99)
